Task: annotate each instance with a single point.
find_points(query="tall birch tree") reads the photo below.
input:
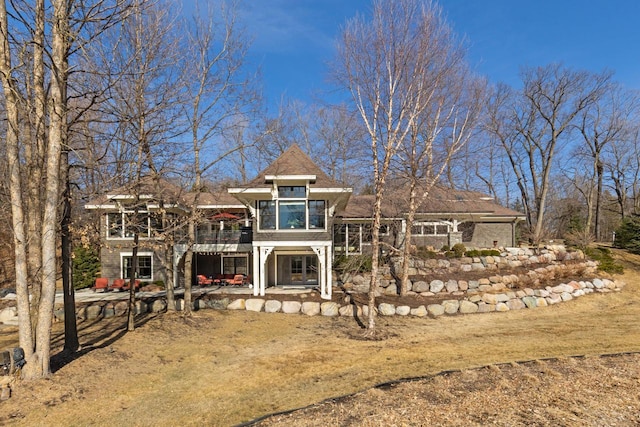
(382, 63)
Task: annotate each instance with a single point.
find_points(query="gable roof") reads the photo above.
(148, 189)
(293, 162)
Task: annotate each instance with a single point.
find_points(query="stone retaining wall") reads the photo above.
(496, 292)
(474, 302)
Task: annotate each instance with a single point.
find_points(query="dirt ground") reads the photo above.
(570, 364)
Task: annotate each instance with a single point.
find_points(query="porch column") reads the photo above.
(325, 287)
(264, 254)
(257, 271)
(329, 271)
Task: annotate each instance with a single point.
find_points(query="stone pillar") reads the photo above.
(455, 237)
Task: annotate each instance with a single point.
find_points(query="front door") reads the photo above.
(299, 270)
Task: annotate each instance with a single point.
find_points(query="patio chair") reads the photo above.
(101, 285)
(238, 279)
(117, 285)
(204, 280)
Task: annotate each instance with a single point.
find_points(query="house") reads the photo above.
(283, 228)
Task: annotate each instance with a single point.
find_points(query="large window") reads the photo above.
(123, 225)
(234, 265)
(292, 215)
(145, 266)
(292, 211)
(267, 214)
(430, 229)
(348, 238)
(316, 213)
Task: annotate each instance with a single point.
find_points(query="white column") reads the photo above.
(264, 254)
(329, 271)
(257, 271)
(325, 288)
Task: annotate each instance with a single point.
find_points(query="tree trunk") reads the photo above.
(188, 279)
(71, 343)
(599, 171)
(131, 315)
(25, 331)
(406, 252)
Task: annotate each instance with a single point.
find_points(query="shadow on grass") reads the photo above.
(111, 332)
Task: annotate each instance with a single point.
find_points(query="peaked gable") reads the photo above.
(294, 162)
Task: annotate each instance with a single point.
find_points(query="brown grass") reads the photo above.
(225, 367)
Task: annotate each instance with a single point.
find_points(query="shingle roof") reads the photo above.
(148, 187)
(439, 201)
(293, 162)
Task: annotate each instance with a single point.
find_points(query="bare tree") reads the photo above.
(220, 96)
(382, 62)
(41, 123)
(452, 100)
(601, 124)
(532, 126)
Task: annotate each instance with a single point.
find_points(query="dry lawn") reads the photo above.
(224, 368)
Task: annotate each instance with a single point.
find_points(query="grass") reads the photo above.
(225, 367)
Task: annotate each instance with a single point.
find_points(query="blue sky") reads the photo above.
(295, 39)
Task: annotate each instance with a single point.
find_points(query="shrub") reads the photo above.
(472, 253)
(445, 248)
(606, 261)
(426, 253)
(86, 266)
(459, 250)
(628, 235)
(353, 264)
(489, 252)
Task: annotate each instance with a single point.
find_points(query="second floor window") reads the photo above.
(267, 214)
(292, 211)
(123, 225)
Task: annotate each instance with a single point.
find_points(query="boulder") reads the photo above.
(121, 308)
(451, 306)
(403, 310)
(467, 307)
(237, 304)
(329, 308)
(386, 309)
(502, 307)
(8, 314)
(157, 306)
(254, 304)
(272, 306)
(291, 307)
(350, 311)
(419, 311)
(218, 304)
(310, 308)
(435, 310)
(436, 286)
(420, 286)
(93, 312)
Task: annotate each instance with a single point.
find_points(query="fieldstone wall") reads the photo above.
(499, 291)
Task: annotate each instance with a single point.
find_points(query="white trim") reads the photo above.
(253, 190)
(268, 178)
(140, 254)
(128, 196)
(330, 190)
(226, 207)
